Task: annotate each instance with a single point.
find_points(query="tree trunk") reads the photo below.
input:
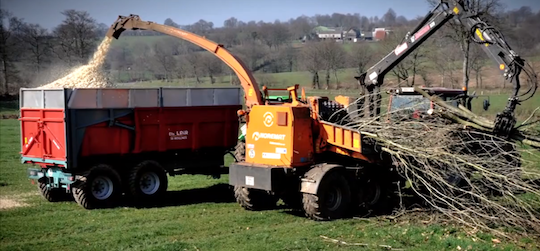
(314, 81)
(317, 80)
(477, 76)
(414, 69)
(6, 77)
(327, 79)
(481, 84)
(465, 46)
(442, 78)
(337, 80)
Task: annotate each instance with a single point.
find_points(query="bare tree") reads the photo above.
(477, 62)
(312, 61)
(141, 65)
(462, 35)
(389, 18)
(412, 65)
(443, 58)
(253, 55)
(163, 55)
(333, 56)
(36, 39)
(211, 65)
(170, 22)
(76, 36)
(274, 35)
(289, 56)
(230, 23)
(194, 60)
(361, 56)
(299, 27)
(8, 49)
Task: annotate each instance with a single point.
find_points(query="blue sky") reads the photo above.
(47, 12)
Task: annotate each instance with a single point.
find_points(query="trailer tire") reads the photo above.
(156, 178)
(108, 178)
(240, 151)
(254, 199)
(333, 187)
(52, 195)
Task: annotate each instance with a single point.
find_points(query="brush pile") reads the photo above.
(453, 162)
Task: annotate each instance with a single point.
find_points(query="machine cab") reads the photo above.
(405, 103)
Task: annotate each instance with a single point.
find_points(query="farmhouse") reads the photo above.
(350, 34)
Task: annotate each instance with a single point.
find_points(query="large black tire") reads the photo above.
(254, 199)
(101, 189)
(240, 151)
(147, 181)
(332, 200)
(374, 194)
(52, 195)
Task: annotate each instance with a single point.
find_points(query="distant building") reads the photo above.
(337, 33)
(351, 34)
(380, 34)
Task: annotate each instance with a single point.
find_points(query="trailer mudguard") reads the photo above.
(311, 179)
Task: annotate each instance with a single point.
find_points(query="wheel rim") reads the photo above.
(102, 187)
(333, 198)
(149, 183)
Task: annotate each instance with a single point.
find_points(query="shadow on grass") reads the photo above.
(9, 109)
(220, 193)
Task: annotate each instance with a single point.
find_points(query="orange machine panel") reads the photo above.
(279, 136)
(342, 137)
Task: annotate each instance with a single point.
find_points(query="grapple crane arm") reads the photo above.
(133, 22)
(492, 41)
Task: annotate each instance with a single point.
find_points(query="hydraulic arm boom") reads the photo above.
(493, 43)
(251, 89)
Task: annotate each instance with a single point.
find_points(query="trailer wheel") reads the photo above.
(148, 180)
(52, 195)
(331, 201)
(240, 151)
(101, 189)
(254, 199)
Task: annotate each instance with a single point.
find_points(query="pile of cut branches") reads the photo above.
(451, 160)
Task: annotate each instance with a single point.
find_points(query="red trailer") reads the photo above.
(100, 143)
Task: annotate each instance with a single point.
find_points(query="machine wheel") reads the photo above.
(371, 193)
(374, 195)
(332, 199)
(254, 199)
(240, 151)
(147, 180)
(101, 189)
(52, 195)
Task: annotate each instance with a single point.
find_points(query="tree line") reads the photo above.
(32, 55)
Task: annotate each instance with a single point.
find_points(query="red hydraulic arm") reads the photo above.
(252, 94)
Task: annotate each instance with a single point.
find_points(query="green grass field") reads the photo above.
(200, 214)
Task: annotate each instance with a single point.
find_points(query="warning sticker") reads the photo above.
(281, 150)
(250, 181)
(271, 156)
(251, 153)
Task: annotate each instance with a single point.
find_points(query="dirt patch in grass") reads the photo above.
(8, 203)
(9, 116)
(15, 201)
